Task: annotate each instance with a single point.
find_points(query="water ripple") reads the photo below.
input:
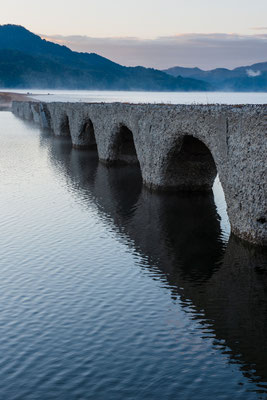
(105, 296)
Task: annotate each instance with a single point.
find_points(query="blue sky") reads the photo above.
(157, 33)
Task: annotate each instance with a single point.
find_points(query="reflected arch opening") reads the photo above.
(190, 168)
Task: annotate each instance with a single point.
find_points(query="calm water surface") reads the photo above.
(146, 97)
(109, 291)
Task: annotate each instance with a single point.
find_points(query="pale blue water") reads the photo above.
(146, 97)
(108, 291)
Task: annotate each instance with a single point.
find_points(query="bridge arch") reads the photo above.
(189, 166)
(227, 132)
(86, 136)
(29, 115)
(45, 116)
(123, 145)
(65, 126)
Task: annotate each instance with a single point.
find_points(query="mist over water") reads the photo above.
(109, 291)
(146, 97)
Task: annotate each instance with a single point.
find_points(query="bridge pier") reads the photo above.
(178, 147)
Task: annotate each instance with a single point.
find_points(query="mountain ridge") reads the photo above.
(244, 78)
(28, 61)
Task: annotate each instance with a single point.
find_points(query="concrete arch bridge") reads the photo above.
(178, 147)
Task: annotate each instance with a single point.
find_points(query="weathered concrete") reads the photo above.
(179, 147)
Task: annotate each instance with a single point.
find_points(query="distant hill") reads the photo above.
(247, 78)
(27, 61)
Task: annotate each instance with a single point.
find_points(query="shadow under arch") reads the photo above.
(189, 166)
(123, 146)
(65, 126)
(30, 115)
(86, 136)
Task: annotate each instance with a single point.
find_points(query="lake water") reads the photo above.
(109, 291)
(147, 97)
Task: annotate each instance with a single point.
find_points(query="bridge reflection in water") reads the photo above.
(222, 285)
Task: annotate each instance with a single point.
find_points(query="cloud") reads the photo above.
(259, 28)
(203, 50)
(252, 73)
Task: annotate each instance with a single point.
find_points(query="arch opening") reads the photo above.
(86, 136)
(29, 116)
(65, 127)
(45, 117)
(190, 166)
(124, 147)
